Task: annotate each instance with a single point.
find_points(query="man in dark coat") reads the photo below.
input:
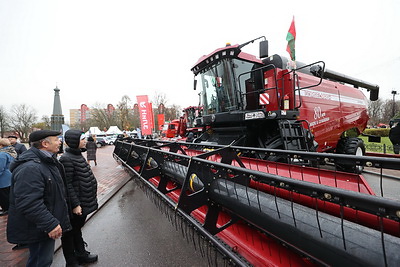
(19, 148)
(394, 136)
(82, 192)
(38, 212)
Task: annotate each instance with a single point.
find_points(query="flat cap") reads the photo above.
(42, 134)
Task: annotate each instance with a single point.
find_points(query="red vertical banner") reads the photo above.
(151, 115)
(144, 114)
(161, 121)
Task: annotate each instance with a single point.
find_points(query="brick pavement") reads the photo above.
(110, 177)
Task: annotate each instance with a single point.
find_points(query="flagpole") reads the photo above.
(291, 49)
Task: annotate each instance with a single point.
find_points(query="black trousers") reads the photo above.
(5, 198)
(72, 241)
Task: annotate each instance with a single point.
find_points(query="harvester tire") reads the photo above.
(351, 146)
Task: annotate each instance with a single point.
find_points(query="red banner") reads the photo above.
(146, 123)
(151, 115)
(161, 121)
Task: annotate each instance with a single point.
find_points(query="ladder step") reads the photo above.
(293, 135)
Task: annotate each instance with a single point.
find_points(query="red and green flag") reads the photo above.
(291, 38)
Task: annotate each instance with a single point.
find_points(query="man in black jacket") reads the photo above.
(19, 148)
(38, 212)
(394, 136)
(82, 193)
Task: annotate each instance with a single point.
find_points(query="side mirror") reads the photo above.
(194, 84)
(263, 49)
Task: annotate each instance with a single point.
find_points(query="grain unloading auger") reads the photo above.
(255, 212)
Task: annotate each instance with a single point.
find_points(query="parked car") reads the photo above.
(101, 141)
(110, 140)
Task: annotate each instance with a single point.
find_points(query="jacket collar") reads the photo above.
(75, 151)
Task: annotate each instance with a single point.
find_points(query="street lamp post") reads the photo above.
(394, 93)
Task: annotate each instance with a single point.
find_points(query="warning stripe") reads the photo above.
(264, 99)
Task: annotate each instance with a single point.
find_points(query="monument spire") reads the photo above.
(57, 118)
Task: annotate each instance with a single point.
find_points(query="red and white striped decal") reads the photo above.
(264, 99)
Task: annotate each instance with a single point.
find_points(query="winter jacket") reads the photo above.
(37, 198)
(5, 173)
(80, 181)
(394, 134)
(91, 150)
(19, 148)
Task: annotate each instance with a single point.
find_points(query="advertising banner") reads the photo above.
(161, 121)
(145, 114)
(151, 115)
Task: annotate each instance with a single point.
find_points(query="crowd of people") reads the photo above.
(47, 196)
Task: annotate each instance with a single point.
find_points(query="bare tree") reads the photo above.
(46, 121)
(388, 109)
(375, 111)
(101, 117)
(83, 126)
(159, 104)
(125, 113)
(3, 120)
(21, 120)
(135, 117)
(159, 98)
(44, 124)
(172, 112)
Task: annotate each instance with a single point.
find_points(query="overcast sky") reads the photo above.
(97, 51)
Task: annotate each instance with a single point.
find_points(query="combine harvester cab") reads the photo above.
(179, 129)
(245, 211)
(275, 103)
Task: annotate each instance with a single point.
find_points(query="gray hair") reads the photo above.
(38, 144)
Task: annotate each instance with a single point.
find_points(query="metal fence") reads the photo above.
(379, 148)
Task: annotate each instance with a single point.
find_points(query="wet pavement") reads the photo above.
(127, 230)
(130, 231)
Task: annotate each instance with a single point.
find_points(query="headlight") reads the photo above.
(254, 115)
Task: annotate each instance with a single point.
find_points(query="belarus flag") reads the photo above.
(291, 38)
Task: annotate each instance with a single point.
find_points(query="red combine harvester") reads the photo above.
(179, 128)
(242, 192)
(254, 102)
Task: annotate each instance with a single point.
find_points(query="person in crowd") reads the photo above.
(12, 149)
(7, 155)
(19, 148)
(394, 136)
(82, 192)
(38, 213)
(190, 137)
(91, 150)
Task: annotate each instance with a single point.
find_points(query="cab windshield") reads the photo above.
(220, 86)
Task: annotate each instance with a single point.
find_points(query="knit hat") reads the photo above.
(73, 138)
